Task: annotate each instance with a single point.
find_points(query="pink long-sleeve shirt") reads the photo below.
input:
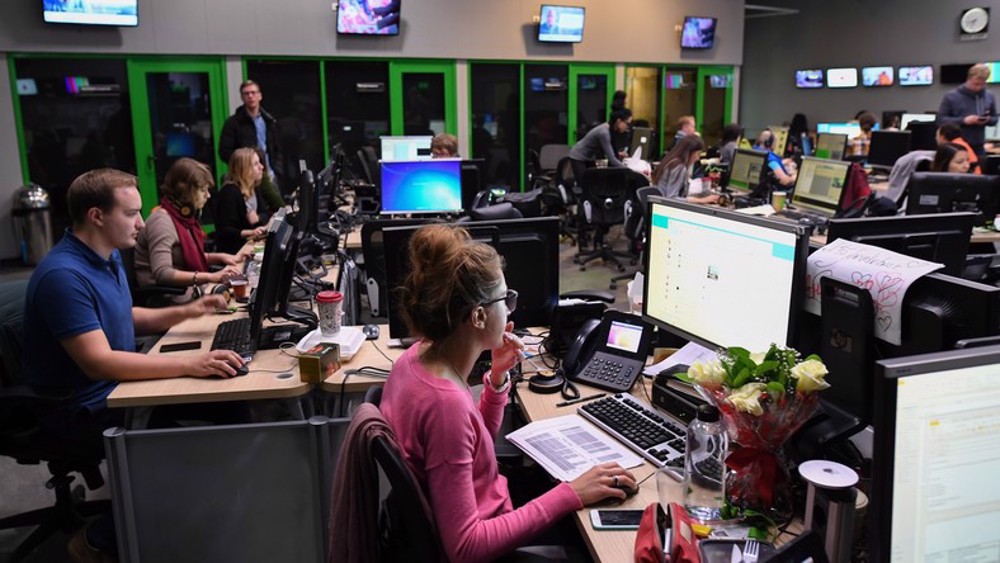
(448, 442)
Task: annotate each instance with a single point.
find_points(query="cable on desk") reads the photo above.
(370, 371)
(390, 360)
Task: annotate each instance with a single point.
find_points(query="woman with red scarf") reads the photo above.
(170, 250)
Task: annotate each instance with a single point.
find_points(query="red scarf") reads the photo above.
(190, 234)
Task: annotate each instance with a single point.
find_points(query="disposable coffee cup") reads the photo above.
(239, 286)
(778, 200)
(602, 163)
(330, 305)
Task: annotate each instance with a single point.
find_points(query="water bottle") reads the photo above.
(704, 465)
(253, 273)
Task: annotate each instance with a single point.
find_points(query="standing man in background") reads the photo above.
(253, 127)
(971, 107)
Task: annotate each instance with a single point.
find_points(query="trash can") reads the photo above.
(32, 216)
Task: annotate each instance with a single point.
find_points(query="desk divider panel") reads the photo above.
(250, 493)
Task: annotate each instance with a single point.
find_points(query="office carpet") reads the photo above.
(22, 488)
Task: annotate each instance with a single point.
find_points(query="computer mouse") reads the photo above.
(242, 369)
(371, 332)
(629, 491)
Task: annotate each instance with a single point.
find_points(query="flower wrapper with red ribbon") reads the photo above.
(763, 398)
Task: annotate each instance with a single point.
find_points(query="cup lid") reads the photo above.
(329, 297)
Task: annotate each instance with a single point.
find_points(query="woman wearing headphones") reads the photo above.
(784, 171)
(456, 299)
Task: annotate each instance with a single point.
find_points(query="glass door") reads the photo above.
(422, 98)
(642, 91)
(715, 102)
(178, 108)
(680, 88)
(591, 88)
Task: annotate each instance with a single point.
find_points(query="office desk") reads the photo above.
(977, 237)
(605, 545)
(353, 240)
(255, 385)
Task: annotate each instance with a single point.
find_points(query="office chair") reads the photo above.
(635, 228)
(406, 533)
(549, 157)
(150, 295)
(373, 250)
(605, 192)
(492, 213)
(22, 439)
(536, 176)
(365, 164)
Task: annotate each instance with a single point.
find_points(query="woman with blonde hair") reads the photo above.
(241, 212)
(170, 250)
(457, 301)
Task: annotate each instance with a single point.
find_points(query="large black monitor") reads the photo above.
(942, 238)
(923, 135)
(425, 186)
(270, 299)
(819, 185)
(473, 172)
(831, 145)
(746, 170)
(886, 147)
(937, 442)
(722, 278)
(307, 220)
(411, 147)
(529, 247)
(941, 192)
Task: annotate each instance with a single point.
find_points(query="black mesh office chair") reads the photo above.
(406, 533)
(146, 296)
(21, 438)
(373, 250)
(605, 193)
(492, 213)
(635, 228)
(537, 178)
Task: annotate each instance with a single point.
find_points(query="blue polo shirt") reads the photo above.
(72, 292)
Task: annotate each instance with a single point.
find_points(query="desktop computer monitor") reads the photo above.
(529, 247)
(414, 147)
(942, 237)
(807, 145)
(937, 441)
(428, 186)
(886, 147)
(907, 118)
(307, 218)
(270, 300)
(831, 145)
(746, 170)
(923, 135)
(473, 171)
(851, 128)
(819, 185)
(941, 192)
(722, 278)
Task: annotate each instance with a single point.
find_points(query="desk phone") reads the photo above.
(609, 354)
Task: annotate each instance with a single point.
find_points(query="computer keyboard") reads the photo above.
(236, 335)
(796, 215)
(639, 427)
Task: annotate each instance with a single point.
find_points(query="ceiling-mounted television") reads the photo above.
(123, 13)
(916, 75)
(368, 17)
(698, 33)
(809, 78)
(560, 24)
(841, 78)
(877, 76)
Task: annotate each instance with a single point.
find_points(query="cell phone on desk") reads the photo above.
(615, 519)
(609, 353)
(180, 346)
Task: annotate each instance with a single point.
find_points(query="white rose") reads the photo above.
(758, 358)
(747, 398)
(707, 374)
(810, 376)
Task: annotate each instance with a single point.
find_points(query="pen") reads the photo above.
(580, 400)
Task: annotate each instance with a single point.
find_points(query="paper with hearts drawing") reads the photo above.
(885, 274)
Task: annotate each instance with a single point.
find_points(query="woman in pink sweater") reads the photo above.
(457, 300)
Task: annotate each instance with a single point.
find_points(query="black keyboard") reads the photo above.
(799, 215)
(611, 372)
(236, 335)
(632, 422)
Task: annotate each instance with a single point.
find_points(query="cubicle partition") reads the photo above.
(249, 493)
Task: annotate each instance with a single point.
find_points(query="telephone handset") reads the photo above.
(582, 347)
(609, 353)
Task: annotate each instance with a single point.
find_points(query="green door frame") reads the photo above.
(138, 67)
(575, 70)
(704, 71)
(396, 71)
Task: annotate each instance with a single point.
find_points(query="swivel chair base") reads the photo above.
(604, 252)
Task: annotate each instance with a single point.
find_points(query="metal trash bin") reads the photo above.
(32, 215)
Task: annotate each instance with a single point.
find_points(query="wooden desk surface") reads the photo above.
(257, 384)
(353, 240)
(605, 545)
(368, 356)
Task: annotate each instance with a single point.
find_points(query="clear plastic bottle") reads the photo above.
(704, 465)
(253, 273)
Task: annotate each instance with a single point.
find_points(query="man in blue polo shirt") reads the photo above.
(80, 326)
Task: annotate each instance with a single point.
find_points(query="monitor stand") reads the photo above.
(402, 342)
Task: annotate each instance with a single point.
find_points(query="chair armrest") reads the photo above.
(589, 295)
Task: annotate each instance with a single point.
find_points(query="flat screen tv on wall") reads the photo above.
(698, 33)
(560, 24)
(368, 17)
(123, 13)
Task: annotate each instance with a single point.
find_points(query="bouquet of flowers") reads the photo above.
(764, 398)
